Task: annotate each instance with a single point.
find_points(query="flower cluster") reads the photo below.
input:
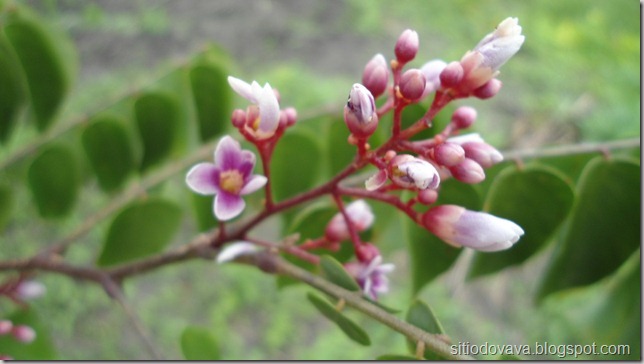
(416, 166)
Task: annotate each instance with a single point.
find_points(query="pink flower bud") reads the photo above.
(427, 197)
(477, 230)
(412, 85)
(488, 90)
(360, 112)
(360, 215)
(432, 70)
(451, 75)
(288, 117)
(465, 138)
(23, 333)
(468, 171)
(482, 153)
(5, 327)
(238, 118)
(376, 75)
(449, 154)
(406, 46)
(366, 252)
(499, 46)
(410, 172)
(464, 117)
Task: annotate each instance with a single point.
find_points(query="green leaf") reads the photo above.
(570, 165)
(335, 272)
(350, 328)
(295, 164)
(6, 204)
(422, 316)
(12, 95)
(141, 229)
(198, 343)
(54, 181)
(536, 198)
(340, 152)
(109, 151)
(396, 357)
(212, 97)
(202, 207)
(157, 120)
(604, 226)
(41, 348)
(605, 313)
(426, 248)
(43, 62)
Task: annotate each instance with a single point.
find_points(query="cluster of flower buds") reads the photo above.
(22, 333)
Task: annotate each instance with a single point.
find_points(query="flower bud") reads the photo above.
(451, 75)
(427, 197)
(432, 70)
(5, 327)
(366, 252)
(482, 153)
(477, 230)
(465, 138)
(238, 118)
(499, 46)
(410, 172)
(360, 112)
(464, 117)
(412, 85)
(406, 46)
(449, 154)
(376, 75)
(468, 171)
(23, 333)
(288, 117)
(376, 181)
(488, 90)
(360, 215)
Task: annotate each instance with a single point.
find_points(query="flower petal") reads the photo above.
(202, 178)
(228, 206)
(228, 154)
(235, 250)
(242, 88)
(253, 184)
(269, 111)
(376, 181)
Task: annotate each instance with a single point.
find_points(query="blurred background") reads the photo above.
(577, 78)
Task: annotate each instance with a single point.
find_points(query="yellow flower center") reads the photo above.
(231, 181)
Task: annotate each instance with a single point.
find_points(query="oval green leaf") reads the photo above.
(109, 151)
(198, 343)
(141, 229)
(350, 328)
(157, 119)
(54, 181)
(295, 164)
(12, 95)
(335, 272)
(43, 65)
(212, 98)
(604, 226)
(536, 198)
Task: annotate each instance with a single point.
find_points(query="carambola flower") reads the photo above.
(264, 122)
(371, 277)
(228, 178)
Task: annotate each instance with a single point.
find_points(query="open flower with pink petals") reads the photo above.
(371, 277)
(264, 116)
(229, 178)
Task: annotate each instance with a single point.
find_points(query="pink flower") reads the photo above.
(410, 172)
(477, 230)
(360, 215)
(371, 277)
(228, 178)
(264, 122)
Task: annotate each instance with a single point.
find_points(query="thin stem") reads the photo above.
(571, 149)
(290, 249)
(355, 238)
